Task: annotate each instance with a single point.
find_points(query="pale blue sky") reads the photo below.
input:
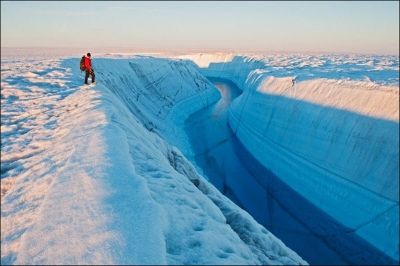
(362, 27)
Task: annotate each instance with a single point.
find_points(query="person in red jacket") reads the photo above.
(89, 69)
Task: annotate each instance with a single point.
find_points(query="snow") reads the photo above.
(107, 174)
(88, 176)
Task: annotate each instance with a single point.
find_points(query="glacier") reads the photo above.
(86, 178)
(105, 174)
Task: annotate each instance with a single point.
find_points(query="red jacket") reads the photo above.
(88, 63)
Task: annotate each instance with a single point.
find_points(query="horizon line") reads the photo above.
(197, 50)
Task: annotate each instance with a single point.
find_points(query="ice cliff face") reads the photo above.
(333, 140)
(160, 94)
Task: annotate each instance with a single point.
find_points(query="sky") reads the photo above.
(355, 27)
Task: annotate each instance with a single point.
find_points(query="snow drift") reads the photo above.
(334, 140)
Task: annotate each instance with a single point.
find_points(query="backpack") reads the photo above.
(82, 64)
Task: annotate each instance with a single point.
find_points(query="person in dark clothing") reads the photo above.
(89, 69)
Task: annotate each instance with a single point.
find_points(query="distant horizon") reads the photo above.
(122, 49)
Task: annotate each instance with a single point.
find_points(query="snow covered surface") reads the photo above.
(86, 177)
(101, 175)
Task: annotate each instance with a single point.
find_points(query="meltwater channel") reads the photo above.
(225, 162)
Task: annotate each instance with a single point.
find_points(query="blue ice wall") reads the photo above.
(340, 153)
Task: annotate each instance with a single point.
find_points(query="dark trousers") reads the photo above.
(89, 72)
